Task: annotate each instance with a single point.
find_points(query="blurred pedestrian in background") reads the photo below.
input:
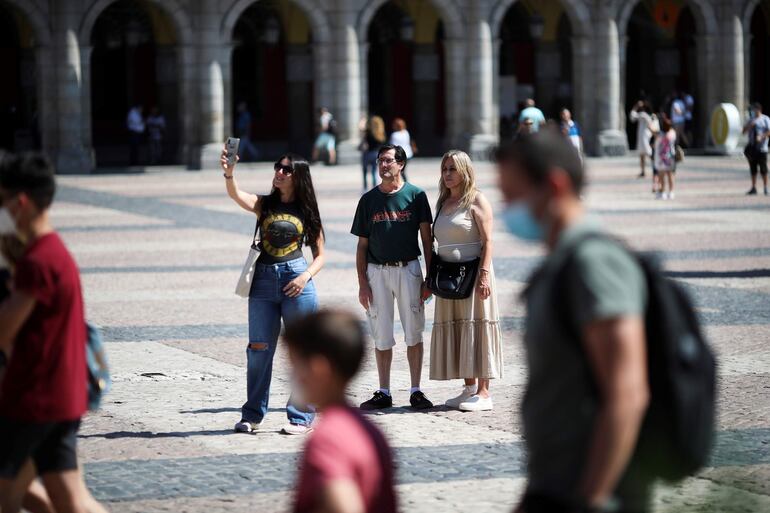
(579, 442)
(665, 158)
(466, 342)
(44, 390)
(642, 115)
(156, 129)
(400, 137)
(758, 129)
(532, 112)
(326, 139)
(282, 288)
(571, 130)
(679, 118)
(346, 466)
(246, 149)
(374, 137)
(135, 126)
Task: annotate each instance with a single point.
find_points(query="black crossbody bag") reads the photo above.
(451, 280)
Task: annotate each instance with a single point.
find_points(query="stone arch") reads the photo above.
(319, 23)
(579, 16)
(172, 8)
(747, 12)
(448, 13)
(35, 17)
(705, 18)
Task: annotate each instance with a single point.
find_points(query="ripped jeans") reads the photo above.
(268, 304)
(402, 284)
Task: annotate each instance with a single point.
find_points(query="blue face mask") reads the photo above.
(520, 222)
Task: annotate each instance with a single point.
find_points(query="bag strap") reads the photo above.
(432, 226)
(255, 240)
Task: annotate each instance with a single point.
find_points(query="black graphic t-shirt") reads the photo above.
(282, 231)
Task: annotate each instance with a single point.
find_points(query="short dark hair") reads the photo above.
(537, 154)
(30, 173)
(333, 334)
(756, 106)
(400, 153)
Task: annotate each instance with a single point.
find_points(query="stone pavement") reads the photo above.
(160, 253)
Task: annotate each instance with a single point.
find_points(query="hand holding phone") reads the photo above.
(231, 147)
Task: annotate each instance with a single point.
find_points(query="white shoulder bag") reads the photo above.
(247, 274)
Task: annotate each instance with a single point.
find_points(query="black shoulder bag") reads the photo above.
(451, 280)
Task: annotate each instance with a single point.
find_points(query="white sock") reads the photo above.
(385, 391)
(414, 389)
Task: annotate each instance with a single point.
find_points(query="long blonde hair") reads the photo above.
(464, 166)
(377, 128)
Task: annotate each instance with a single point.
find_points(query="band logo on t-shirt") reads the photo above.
(401, 216)
(281, 234)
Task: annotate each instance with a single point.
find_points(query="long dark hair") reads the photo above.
(304, 192)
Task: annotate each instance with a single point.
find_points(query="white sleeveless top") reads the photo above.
(457, 236)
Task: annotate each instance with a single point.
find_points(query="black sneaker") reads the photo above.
(419, 401)
(378, 401)
(752, 192)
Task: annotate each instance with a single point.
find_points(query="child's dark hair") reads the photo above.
(30, 173)
(334, 334)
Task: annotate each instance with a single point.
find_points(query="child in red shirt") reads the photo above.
(43, 393)
(347, 464)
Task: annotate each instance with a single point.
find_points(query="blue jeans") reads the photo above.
(268, 304)
(369, 165)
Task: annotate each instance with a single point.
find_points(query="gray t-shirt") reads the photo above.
(559, 406)
(761, 127)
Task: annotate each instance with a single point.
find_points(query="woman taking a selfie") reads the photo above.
(282, 287)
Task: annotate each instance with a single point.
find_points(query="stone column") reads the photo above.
(480, 99)
(71, 155)
(346, 74)
(582, 90)
(211, 105)
(610, 139)
(46, 101)
(454, 62)
(85, 65)
(185, 62)
(731, 49)
(707, 72)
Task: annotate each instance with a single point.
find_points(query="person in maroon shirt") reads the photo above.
(43, 392)
(347, 465)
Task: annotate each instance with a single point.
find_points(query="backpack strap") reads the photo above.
(560, 290)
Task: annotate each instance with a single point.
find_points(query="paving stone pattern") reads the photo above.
(160, 253)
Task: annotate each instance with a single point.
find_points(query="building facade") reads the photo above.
(455, 70)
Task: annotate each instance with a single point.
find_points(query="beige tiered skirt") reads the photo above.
(467, 340)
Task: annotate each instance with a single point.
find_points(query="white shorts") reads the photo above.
(402, 284)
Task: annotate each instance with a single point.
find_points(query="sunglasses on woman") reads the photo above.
(284, 169)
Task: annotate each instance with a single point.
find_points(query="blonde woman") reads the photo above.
(373, 139)
(466, 341)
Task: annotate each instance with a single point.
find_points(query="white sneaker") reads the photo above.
(467, 393)
(671, 195)
(476, 403)
(296, 429)
(244, 426)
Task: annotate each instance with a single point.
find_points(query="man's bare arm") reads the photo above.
(617, 354)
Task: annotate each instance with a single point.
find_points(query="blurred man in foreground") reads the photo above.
(588, 390)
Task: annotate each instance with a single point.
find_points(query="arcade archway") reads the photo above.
(18, 89)
(133, 63)
(759, 55)
(662, 62)
(273, 79)
(535, 60)
(405, 70)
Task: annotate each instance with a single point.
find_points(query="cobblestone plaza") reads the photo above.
(160, 254)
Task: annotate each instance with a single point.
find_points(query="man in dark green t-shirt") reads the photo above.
(388, 220)
(587, 388)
